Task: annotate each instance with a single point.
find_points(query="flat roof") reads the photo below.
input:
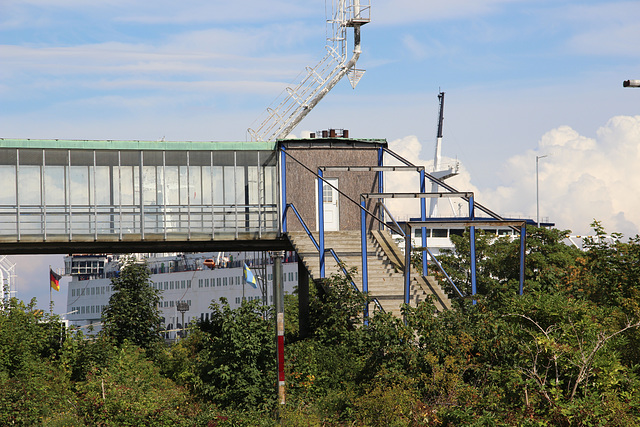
(137, 145)
(108, 144)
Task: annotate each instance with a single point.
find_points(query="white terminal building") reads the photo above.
(196, 279)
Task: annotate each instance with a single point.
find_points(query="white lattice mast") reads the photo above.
(314, 83)
(7, 279)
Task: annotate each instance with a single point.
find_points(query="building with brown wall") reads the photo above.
(305, 156)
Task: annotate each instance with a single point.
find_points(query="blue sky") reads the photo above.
(522, 78)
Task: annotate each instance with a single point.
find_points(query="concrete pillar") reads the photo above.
(303, 300)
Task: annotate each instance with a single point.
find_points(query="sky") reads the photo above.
(522, 79)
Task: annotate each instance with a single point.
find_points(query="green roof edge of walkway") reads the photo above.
(136, 145)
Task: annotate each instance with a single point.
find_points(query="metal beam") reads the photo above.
(464, 194)
(465, 223)
(371, 168)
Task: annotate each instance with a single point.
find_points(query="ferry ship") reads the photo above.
(188, 281)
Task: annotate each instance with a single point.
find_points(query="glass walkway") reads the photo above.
(108, 193)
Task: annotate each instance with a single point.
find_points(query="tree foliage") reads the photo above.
(564, 354)
(133, 314)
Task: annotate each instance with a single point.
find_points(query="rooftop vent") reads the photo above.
(330, 133)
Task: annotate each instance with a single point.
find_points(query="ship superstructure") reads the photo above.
(194, 279)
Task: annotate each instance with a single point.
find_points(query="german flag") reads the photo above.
(54, 278)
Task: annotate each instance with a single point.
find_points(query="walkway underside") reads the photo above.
(132, 243)
(385, 267)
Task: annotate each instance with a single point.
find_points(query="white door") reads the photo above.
(331, 209)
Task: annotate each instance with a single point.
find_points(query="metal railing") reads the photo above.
(400, 231)
(119, 220)
(330, 250)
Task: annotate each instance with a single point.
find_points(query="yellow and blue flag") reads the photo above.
(249, 277)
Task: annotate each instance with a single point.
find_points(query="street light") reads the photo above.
(538, 190)
(631, 83)
(182, 306)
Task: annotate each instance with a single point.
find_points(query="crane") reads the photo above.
(297, 100)
(444, 173)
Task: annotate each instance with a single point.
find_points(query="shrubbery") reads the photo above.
(566, 353)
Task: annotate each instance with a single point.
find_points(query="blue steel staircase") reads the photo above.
(385, 267)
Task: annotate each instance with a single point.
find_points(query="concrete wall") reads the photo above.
(301, 184)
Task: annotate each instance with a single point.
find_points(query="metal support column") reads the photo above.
(303, 300)
(381, 179)
(321, 220)
(407, 264)
(365, 271)
(141, 196)
(472, 241)
(278, 297)
(423, 217)
(523, 238)
(283, 186)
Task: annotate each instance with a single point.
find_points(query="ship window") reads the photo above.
(171, 304)
(418, 232)
(171, 285)
(456, 232)
(504, 232)
(183, 284)
(206, 283)
(83, 292)
(218, 281)
(224, 281)
(73, 292)
(199, 283)
(439, 232)
(189, 283)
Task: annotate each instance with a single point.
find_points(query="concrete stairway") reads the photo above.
(385, 266)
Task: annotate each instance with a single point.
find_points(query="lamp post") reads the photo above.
(538, 190)
(182, 306)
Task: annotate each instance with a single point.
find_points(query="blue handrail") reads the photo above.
(433, 257)
(330, 250)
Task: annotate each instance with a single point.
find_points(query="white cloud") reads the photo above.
(407, 11)
(160, 11)
(411, 149)
(580, 180)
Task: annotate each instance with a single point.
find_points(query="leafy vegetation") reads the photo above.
(566, 353)
(133, 314)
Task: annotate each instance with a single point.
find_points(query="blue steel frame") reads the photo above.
(283, 192)
(472, 242)
(425, 252)
(321, 220)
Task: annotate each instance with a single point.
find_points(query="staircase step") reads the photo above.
(385, 265)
